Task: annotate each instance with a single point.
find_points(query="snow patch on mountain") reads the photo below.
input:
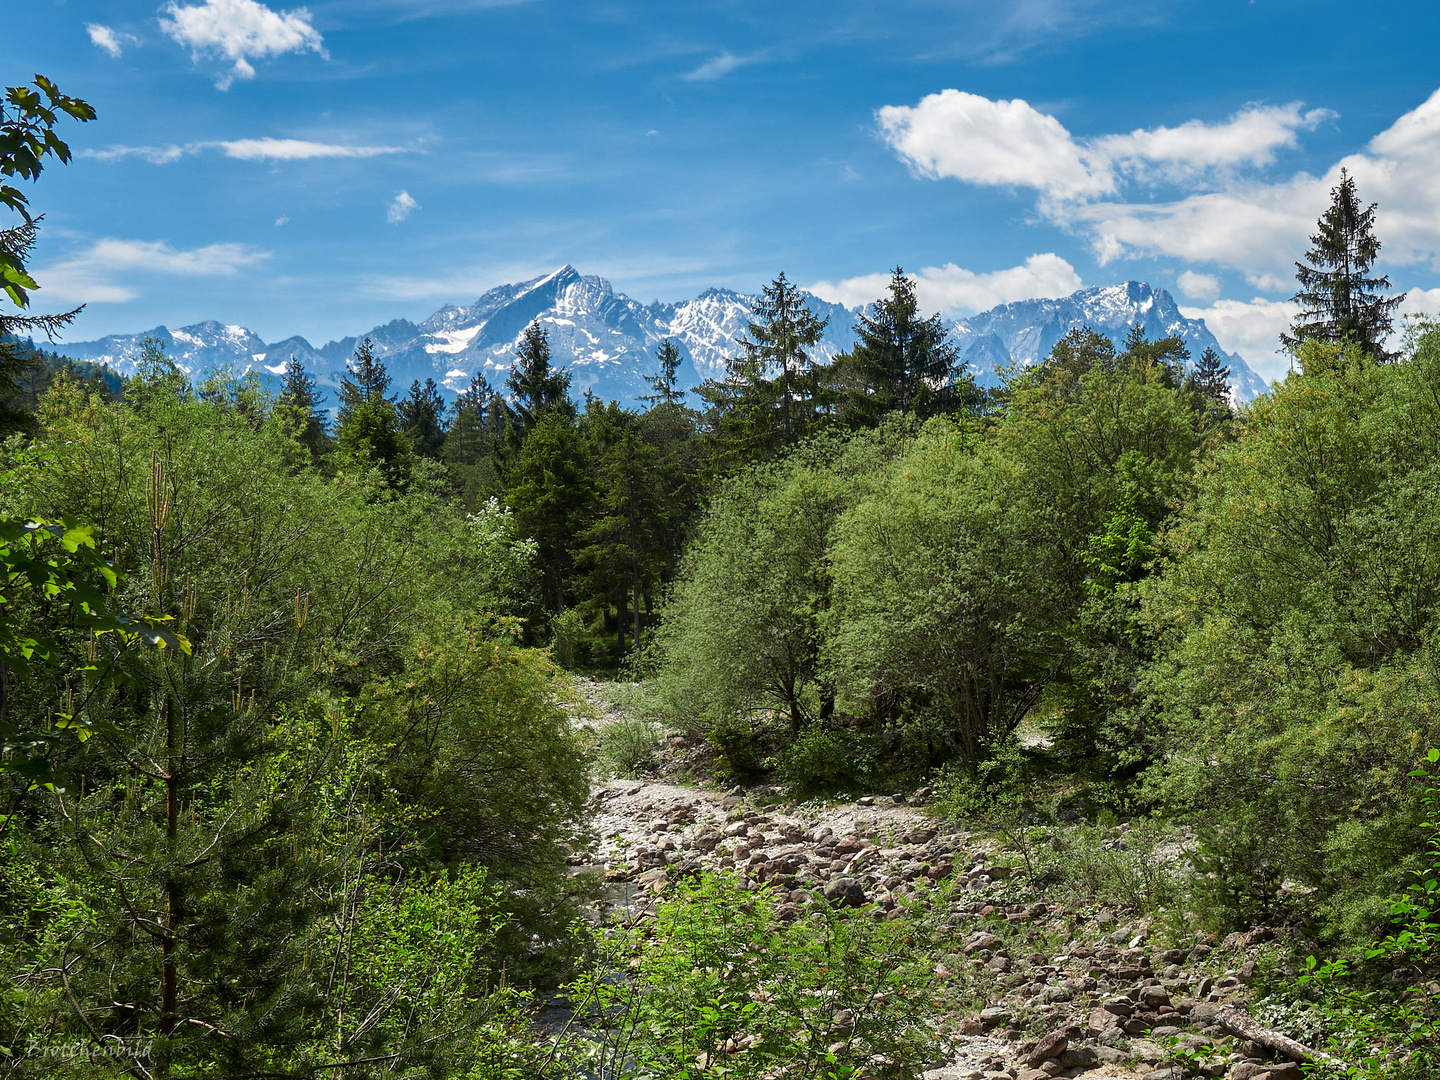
(607, 341)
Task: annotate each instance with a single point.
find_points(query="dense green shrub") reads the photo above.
(1295, 612)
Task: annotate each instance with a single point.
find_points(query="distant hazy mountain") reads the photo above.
(1027, 330)
(608, 341)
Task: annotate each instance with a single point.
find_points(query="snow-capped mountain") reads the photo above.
(608, 341)
(1027, 330)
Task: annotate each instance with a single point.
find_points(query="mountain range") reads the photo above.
(607, 341)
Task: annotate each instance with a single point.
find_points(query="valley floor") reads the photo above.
(1030, 986)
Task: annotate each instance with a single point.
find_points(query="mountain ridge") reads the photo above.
(607, 340)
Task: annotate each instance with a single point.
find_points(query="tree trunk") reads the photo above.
(636, 580)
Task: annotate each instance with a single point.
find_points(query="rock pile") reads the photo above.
(1106, 1004)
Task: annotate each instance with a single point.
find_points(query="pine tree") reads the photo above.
(775, 351)
(537, 389)
(422, 418)
(1209, 381)
(368, 431)
(366, 380)
(905, 362)
(1340, 302)
(299, 407)
(663, 383)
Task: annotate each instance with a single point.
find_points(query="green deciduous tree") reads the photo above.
(27, 137)
(1295, 617)
(950, 603)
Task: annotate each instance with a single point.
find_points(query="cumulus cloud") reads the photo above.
(1250, 137)
(1251, 328)
(400, 209)
(106, 271)
(1226, 213)
(102, 37)
(1202, 287)
(264, 149)
(240, 31)
(1009, 143)
(953, 290)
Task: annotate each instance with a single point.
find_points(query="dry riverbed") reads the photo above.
(1100, 994)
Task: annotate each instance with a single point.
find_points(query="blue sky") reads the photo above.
(324, 169)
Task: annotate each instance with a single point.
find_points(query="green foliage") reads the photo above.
(231, 820)
(551, 490)
(737, 991)
(828, 757)
(1295, 675)
(537, 389)
(628, 747)
(754, 586)
(946, 600)
(27, 138)
(905, 362)
(1381, 1033)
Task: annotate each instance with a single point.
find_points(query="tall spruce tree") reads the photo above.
(905, 362)
(366, 379)
(298, 407)
(1340, 302)
(776, 350)
(422, 418)
(1209, 382)
(536, 387)
(663, 385)
(368, 431)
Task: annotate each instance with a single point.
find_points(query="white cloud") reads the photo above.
(155, 155)
(400, 209)
(91, 276)
(264, 149)
(968, 137)
(1421, 302)
(717, 67)
(1250, 137)
(268, 149)
(955, 291)
(1251, 328)
(1222, 215)
(102, 37)
(1202, 287)
(240, 31)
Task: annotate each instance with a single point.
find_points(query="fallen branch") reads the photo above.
(1238, 1023)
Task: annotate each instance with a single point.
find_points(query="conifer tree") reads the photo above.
(905, 362)
(537, 389)
(299, 407)
(1209, 381)
(422, 418)
(775, 351)
(663, 383)
(366, 380)
(369, 424)
(1339, 299)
